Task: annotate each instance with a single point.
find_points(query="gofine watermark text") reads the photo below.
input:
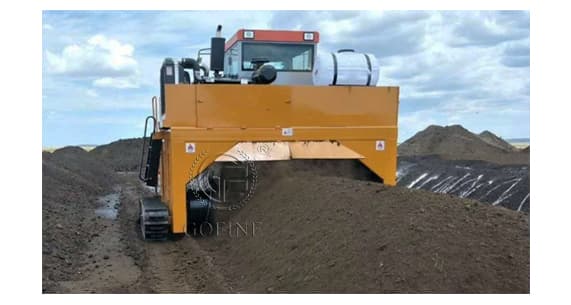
(228, 229)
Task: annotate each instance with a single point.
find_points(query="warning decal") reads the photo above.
(287, 132)
(380, 145)
(190, 148)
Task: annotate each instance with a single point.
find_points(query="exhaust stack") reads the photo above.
(217, 51)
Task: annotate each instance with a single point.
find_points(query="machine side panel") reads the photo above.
(226, 106)
(180, 101)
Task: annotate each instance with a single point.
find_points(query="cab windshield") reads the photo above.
(284, 57)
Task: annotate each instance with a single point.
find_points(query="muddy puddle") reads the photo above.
(108, 205)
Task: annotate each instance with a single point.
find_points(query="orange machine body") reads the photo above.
(202, 122)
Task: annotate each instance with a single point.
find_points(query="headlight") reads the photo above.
(249, 34)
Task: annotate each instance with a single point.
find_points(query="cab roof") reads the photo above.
(272, 36)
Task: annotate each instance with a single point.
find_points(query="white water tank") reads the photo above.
(345, 67)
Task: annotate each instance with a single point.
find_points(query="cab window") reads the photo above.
(284, 57)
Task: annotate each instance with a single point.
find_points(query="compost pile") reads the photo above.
(122, 155)
(452, 160)
(71, 182)
(492, 139)
(457, 143)
(504, 185)
(308, 233)
(320, 226)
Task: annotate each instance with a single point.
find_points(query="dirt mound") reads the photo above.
(450, 140)
(494, 140)
(122, 155)
(456, 143)
(353, 169)
(71, 180)
(80, 169)
(330, 234)
(314, 232)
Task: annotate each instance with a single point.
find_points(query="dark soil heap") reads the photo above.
(314, 232)
(456, 143)
(505, 185)
(71, 180)
(494, 140)
(335, 235)
(122, 155)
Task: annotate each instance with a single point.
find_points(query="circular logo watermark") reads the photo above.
(227, 184)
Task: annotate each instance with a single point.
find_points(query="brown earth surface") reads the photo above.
(313, 233)
(71, 182)
(456, 143)
(492, 139)
(121, 155)
(332, 234)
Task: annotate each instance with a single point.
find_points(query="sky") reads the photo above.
(101, 68)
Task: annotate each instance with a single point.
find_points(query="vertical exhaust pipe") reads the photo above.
(217, 51)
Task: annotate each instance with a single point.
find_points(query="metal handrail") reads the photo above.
(154, 105)
(150, 117)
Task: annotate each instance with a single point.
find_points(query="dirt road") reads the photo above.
(116, 260)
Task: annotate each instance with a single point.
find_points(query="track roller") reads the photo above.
(154, 219)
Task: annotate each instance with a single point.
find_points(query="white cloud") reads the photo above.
(47, 26)
(488, 28)
(116, 82)
(91, 93)
(69, 97)
(99, 57)
(137, 102)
